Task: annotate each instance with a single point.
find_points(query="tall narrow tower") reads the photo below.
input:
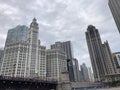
(33, 49)
(115, 9)
(84, 72)
(96, 52)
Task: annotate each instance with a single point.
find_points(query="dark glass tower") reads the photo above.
(17, 34)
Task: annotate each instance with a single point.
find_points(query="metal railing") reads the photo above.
(46, 80)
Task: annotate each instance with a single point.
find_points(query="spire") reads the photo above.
(34, 24)
(34, 19)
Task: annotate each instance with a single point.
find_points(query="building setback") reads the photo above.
(37, 56)
(115, 9)
(100, 54)
(95, 50)
(109, 63)
(67, 48)
(56, 63)
(24, 56)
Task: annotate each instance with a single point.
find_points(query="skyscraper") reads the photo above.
(16, 52)
(100, 55)
(24, 56)
(95, 51)
(76, 70)
(56, 63)
(1, 57)
(15, 59)
(84, 72)
(91, 76)
(17, 34)
(67, 48)
(115, 9)
(109, 63)
(33, 48)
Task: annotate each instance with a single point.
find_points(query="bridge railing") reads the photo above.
(46, 80)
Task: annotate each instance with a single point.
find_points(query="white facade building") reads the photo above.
(25, 58)
(15, 59)
(56, 63)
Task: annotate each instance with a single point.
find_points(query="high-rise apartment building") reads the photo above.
(84, 73)
(67, 48)
(115, 9)
(100, 54)
(56, 63)
(24, 56)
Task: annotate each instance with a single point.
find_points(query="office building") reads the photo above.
(16, 52)
(84, 73)
(1, 58)
(67, 48)
(76, 70)
(91, 76)
(109, 63)
(56, 63)
(24, 56)
(115, 9)
(100, 55)
(96, 54)
(19, 33)
(15, 59)
(116, 58)
(81, 78)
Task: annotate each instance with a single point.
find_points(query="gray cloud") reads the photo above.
(61, 20)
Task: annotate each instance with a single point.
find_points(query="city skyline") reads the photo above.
(60, 20)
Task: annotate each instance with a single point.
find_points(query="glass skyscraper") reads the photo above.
(19, 33)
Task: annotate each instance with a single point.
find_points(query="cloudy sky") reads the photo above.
(61, 20)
